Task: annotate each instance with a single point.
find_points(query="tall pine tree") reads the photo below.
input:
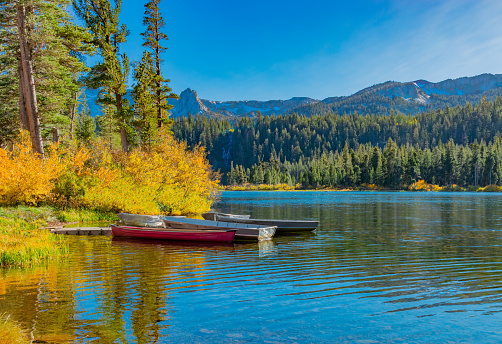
(41, 37)
(86, 127)
(110, 74)
(9, 74)
(144, 93)
(153, 39)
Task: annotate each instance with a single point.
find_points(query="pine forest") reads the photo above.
(458, 146)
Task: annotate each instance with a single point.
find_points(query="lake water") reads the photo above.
(392, 267)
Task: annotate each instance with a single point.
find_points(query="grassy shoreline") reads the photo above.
(25, 241)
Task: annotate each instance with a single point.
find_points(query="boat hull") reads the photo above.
(174, 234)
(211, 216)
(283, 226)
(244, 232)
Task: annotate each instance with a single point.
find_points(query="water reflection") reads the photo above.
(41, 299)
(148, 245)
(386, 267)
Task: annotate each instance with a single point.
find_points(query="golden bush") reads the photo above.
(262, 187)
(370, 186)
(25, 177)
(421, 185)
(490, 188)
(167, 178)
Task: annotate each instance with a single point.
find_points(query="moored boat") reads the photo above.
(204, 235)
(211, 216)
(244, 231)
(283, 226)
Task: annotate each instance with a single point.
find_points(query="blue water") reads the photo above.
(392, 267)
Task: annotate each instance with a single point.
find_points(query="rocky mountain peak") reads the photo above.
(189, 103)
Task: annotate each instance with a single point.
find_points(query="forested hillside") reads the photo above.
(380, 104)
(458, 145)
(410, 97)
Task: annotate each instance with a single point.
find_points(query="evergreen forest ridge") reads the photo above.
(460, 145)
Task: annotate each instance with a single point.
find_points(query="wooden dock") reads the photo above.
(82, 230)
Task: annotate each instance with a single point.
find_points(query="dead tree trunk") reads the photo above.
(23, 116)
(158, 99)
(123, 133)
(30, 97)
(55, 134)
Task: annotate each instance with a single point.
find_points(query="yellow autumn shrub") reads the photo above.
(421, 185)
(490, 188)
(167, 178)
(25, 178)
(370, 186)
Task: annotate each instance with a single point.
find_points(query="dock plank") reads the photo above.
(83, 231)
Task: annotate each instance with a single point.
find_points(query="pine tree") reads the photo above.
(110, 75)
(106, 124)
(347, 161)
(260, 176)
(39, 34)
(9, 75)
(86, 126)
(59, 66)
(144, 96)
(153, 38)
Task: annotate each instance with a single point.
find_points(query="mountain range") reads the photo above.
(406, 97)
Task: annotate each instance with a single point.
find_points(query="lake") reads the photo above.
(382, 267)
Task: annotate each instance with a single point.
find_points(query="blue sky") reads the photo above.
(276, 49)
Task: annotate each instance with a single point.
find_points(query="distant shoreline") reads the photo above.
(420, 186)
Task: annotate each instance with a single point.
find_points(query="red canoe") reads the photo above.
(224, 235)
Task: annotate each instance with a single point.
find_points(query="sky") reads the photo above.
(277, 49)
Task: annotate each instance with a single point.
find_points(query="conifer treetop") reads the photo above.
(153, 36)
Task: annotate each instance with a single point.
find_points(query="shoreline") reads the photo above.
(26, 238)
(359, 190)
(420, 188)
